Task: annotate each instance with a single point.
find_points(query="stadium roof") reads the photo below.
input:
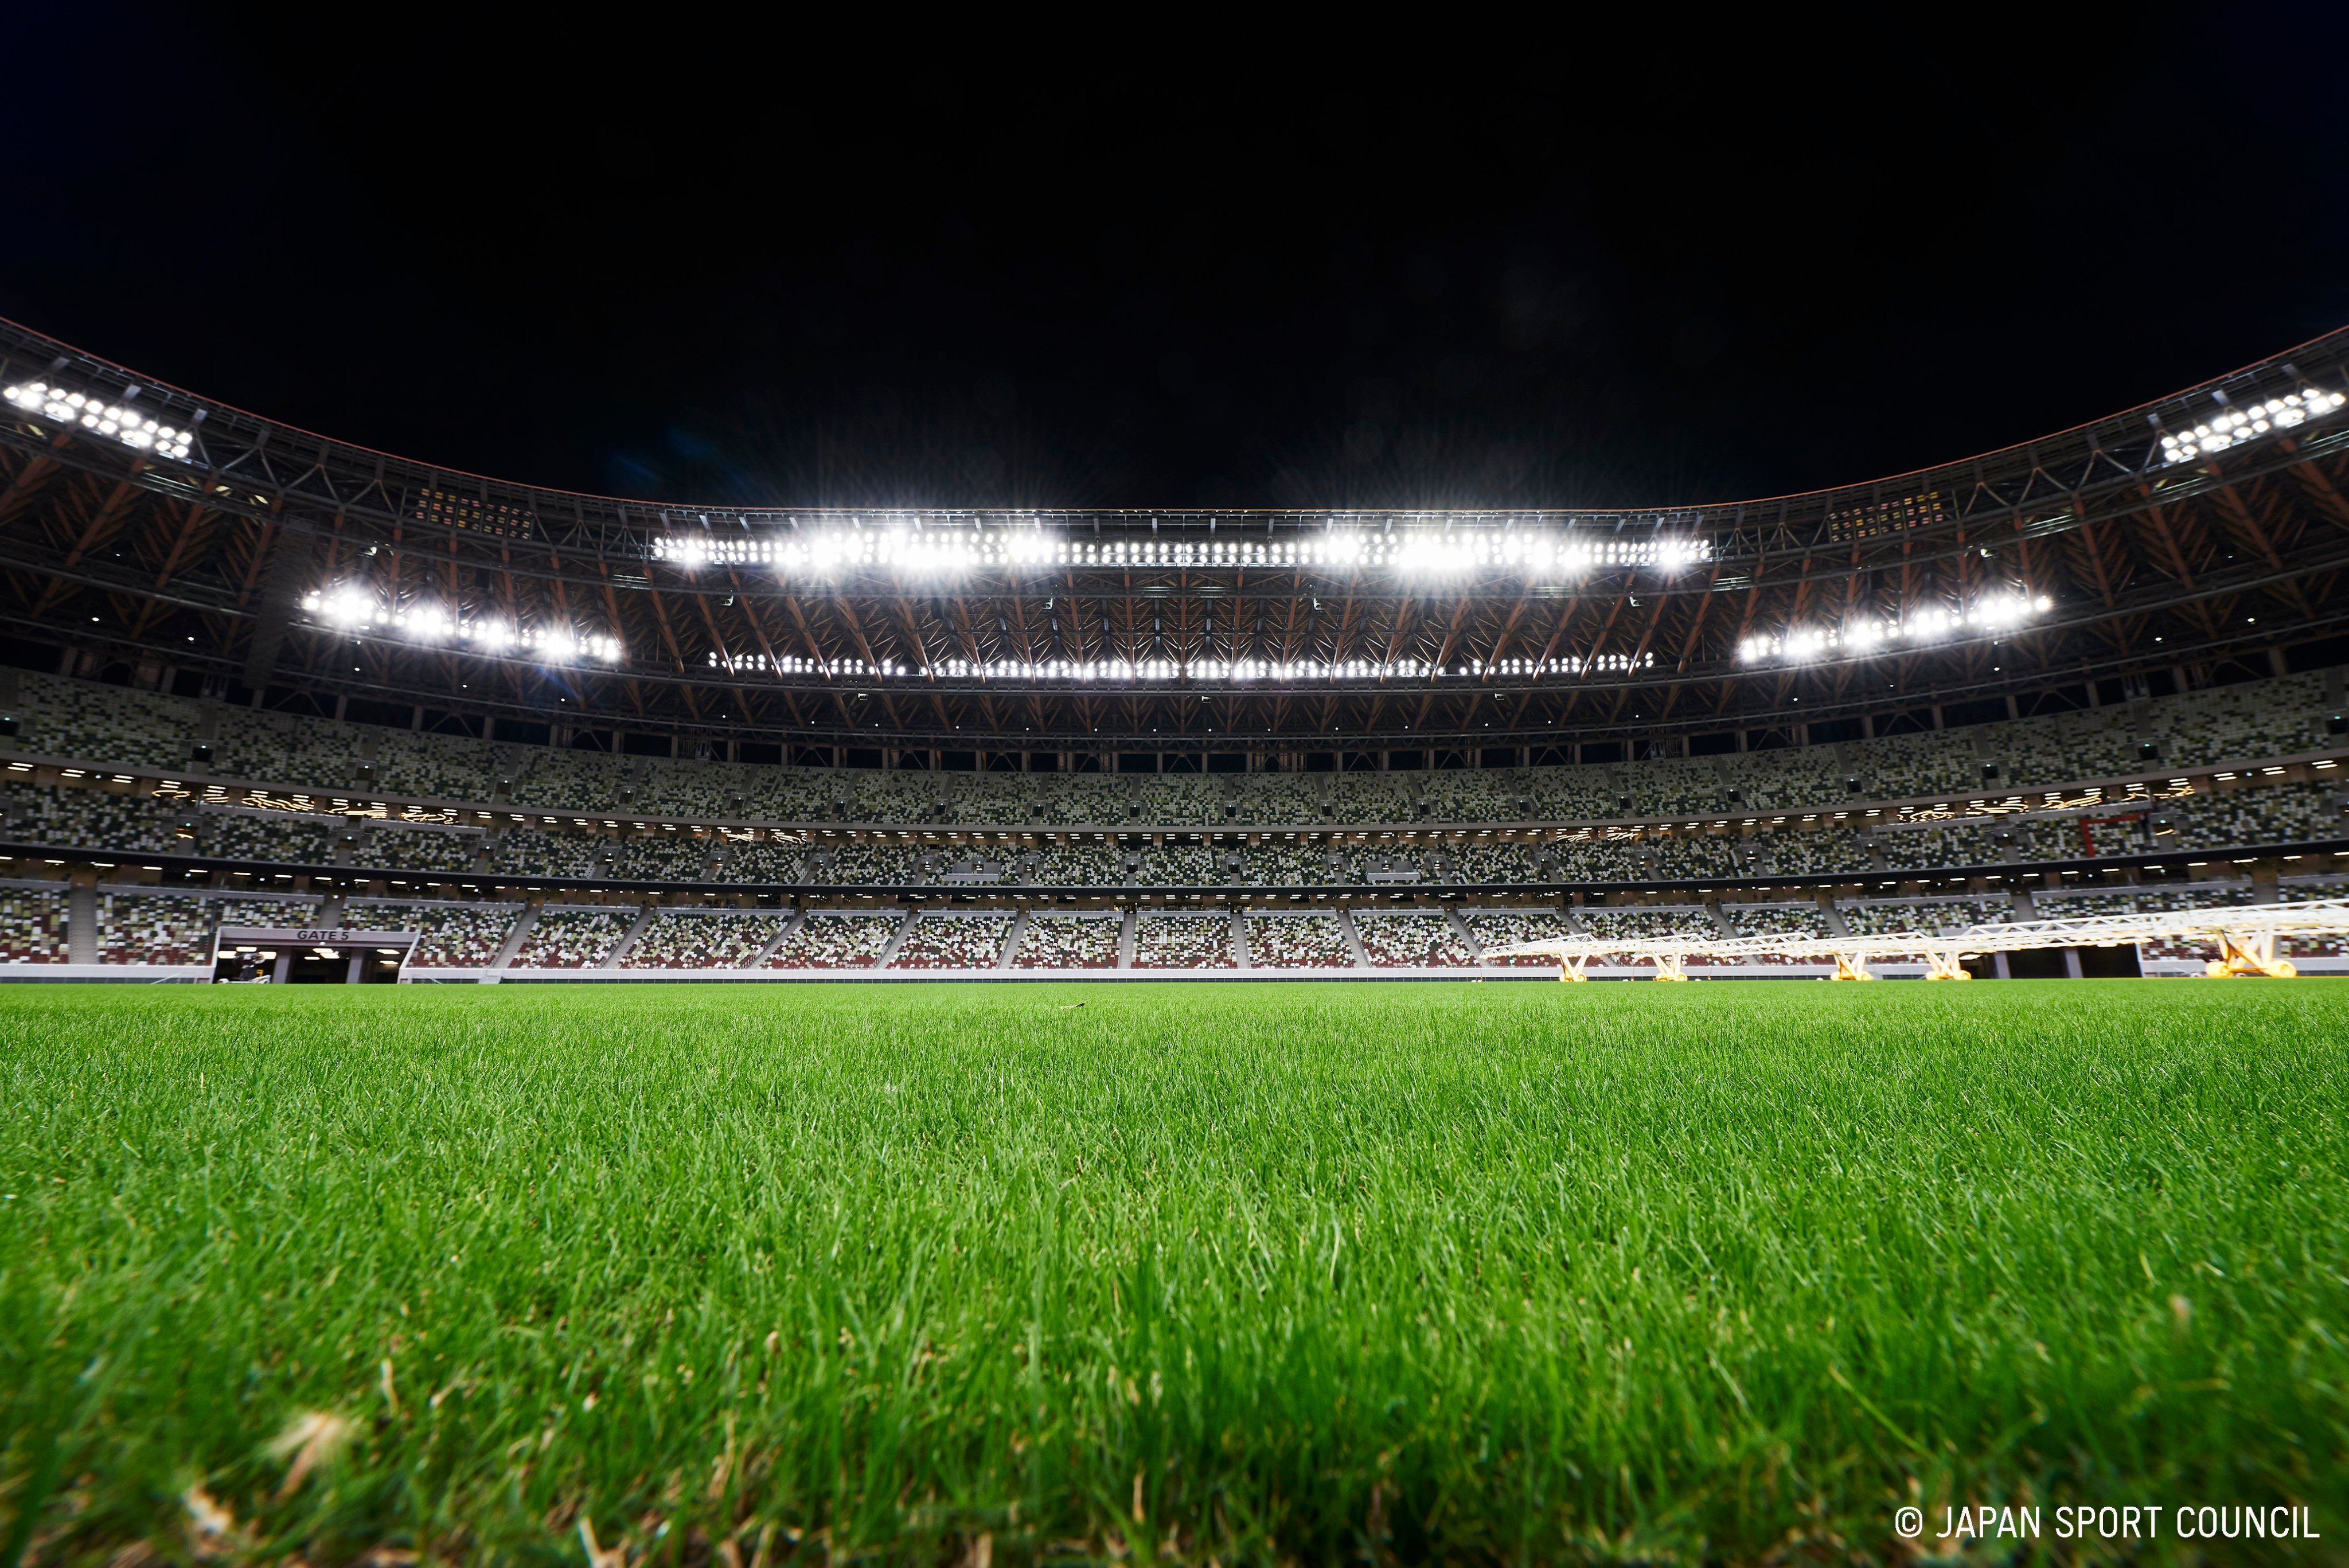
(163, 529)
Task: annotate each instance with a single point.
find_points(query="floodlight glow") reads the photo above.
(118, 421)
(2235, 426)
(1484, 550)
(897, 544)
(353, 608)
(1194, 670)
(1922, 624)
(563, 645)
(796, 664)
(426, 623)
(345, 607)
(2001, 611)
(1929, 622)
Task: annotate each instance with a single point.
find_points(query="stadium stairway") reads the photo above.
(524, 925)
(644, 918)
(1353, 937)
(888, 954)
(1126, 926)
(1460, 929)
(1018, 933)
(81, 920)
(790, 929)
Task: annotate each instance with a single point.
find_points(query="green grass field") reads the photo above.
(1229, 1271)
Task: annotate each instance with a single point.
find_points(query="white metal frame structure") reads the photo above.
(2245, 936)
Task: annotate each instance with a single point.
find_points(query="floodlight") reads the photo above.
(347, 605)
(426, 623)
(353, 607)
(119, 422)
(901, 543)
(1922, 624)
(2234, 426)
(1165, 669)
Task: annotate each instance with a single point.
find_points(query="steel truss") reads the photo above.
(201, 565)
(2245, 936)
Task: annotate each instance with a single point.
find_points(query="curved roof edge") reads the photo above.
(2125, 444)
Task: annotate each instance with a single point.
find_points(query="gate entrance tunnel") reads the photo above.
(316, 963)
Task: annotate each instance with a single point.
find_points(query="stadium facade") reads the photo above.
(279, 706)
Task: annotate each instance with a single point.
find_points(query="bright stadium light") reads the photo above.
(118, 421)
(791, 664)
(562, 645)
(555, 644)
(426, 623)
(891, 544)
(1418, 550)
(1202, 669)
(2235, 426)
(1808, 642)
(2004, 610)
(1922, 624)
(353, 608)
(1929, 622)
(1485, 550)
(899, 545)
(346, 606)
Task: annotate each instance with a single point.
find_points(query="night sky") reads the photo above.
(1082, 269)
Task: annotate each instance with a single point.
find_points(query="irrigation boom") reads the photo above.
(2245, 936)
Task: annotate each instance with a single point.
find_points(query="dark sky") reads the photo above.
(766, 268)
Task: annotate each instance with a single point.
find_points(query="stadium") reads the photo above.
(980, 1178)
(280, 709)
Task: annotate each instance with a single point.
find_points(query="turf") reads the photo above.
(1301, 1271)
